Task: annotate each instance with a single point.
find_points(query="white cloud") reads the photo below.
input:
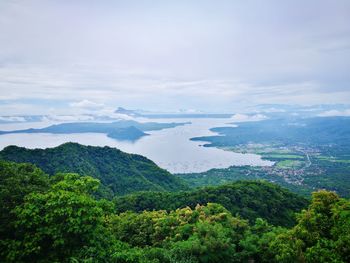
(68, 118)
(87, 105)
(245, 117)
(189, 111)
(17, 108)
(332, 113)
(12, 118)
(168, 55)
(273, 110)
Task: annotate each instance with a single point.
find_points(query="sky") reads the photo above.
(79, 56)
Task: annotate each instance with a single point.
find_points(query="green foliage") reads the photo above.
(17, 180)
(204, 234)
(59, 220)
(120, 173)
(237, 173)
(321, 235)
(255, 244)
(249, 199)
(61, 223)
(210, 234)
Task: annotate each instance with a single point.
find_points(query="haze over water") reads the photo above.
(171, 149)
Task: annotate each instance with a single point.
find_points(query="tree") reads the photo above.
(204, 234)
(64, 222)
(16, 181)
(255, 244)
(321, 235)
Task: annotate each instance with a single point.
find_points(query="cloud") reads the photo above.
(12, 119)
(97, 109)
(245, 117)
(87, 105)
(273, 110)
(68, 118)
(332, 113)
(165, 56)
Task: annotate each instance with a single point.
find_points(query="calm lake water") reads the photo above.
(171, 148)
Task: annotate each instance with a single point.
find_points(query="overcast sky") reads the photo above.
(69, 56)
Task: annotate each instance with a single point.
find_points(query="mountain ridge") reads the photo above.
(119, 172)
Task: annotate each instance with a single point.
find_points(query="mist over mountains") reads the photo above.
(120, 113)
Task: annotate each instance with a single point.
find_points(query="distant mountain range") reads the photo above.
(57, 118)
(271, 110)
(121, 130)
(157, 115)
(306, 131)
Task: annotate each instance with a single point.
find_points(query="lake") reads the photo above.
(171, 149)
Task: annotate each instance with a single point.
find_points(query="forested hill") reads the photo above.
(249, 199)
(58, 219)
(119, 172)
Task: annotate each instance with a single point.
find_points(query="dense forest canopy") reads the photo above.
(58, 219)
(120, 173)
(248, 199)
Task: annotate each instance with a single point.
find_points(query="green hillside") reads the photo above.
(249, 199)
(120, 173)
(60, 220)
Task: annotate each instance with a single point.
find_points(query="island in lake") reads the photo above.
(121, 130)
